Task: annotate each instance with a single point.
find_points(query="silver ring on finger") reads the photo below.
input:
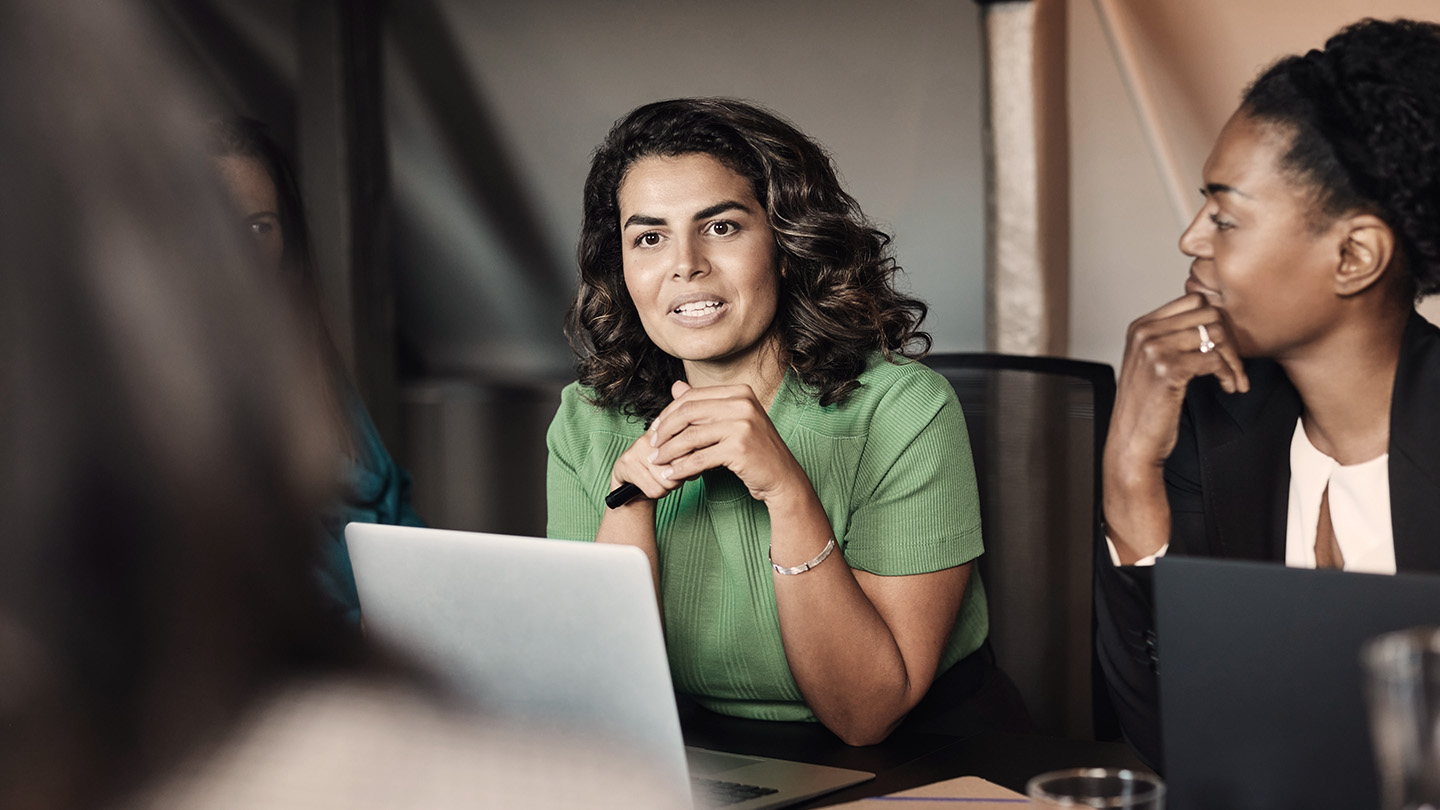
(1206, 344)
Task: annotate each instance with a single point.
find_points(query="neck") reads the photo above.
(1345, 382)
(763, 371)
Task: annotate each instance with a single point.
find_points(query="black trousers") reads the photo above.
(972, 696)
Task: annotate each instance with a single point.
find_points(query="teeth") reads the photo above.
(697, 307)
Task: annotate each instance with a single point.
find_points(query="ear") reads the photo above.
(1366, 251)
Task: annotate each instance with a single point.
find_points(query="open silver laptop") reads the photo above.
(562, 637)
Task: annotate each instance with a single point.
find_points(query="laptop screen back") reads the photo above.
(1261, 688)
(559, 636)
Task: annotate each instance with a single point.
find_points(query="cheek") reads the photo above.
(1246, 270)
(765, 288)
(770, 295)
(629, 275)
(274, 250)
(641, 300)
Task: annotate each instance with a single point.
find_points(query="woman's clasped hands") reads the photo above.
(707, 427)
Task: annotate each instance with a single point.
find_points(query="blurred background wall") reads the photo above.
(488, 112)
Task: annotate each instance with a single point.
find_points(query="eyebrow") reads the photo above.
(704, 213)
(1221, 188)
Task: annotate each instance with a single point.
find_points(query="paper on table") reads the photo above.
(964, 793)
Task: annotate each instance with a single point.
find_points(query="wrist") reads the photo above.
(1128, 472)
(790, 491)
(793, 504)
(793, 570)
(623, 494)
(1137, 522)
(637, 504)
(1125, 553)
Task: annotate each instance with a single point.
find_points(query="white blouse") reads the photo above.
(1359, 510)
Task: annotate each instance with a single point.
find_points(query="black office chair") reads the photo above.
(1037, 433)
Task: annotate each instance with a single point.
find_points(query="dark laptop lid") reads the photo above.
(1261, 691)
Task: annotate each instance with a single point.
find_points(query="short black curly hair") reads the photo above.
(837, 299)
(1364, 114)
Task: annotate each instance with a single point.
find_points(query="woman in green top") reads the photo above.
(806, 494)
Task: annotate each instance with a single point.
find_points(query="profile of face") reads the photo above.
(699, 260)
(256, 199)
(1262, 252)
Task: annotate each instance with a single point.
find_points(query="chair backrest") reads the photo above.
(1037, 432)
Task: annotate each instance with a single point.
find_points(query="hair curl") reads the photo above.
(1364, 114)
(837, 301)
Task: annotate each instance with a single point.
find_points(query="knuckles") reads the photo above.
(1156, 358)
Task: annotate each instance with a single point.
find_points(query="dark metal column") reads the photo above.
(344, 173)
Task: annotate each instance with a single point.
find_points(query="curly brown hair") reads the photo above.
(837, 300)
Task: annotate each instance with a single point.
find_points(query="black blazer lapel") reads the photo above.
(1246, 464)
(1415, 449)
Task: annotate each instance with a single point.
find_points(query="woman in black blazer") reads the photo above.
(1284, 407)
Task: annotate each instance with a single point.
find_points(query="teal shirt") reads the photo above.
(373, 489)
(892, 468)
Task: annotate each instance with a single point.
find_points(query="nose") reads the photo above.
(1195, 241)
(690, 260)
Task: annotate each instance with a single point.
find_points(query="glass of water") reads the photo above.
(1402, 683)
(1097, 787)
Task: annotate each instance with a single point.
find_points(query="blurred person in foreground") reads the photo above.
(372, 487)
(163, 449)
(1285, 407)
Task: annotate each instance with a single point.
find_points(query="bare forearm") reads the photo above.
(633, 525)
(1137, 512)
(862, 648)
(1164, 351)
(843, 655)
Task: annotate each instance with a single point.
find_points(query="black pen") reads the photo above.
(621, 495)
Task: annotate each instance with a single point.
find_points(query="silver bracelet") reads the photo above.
(802, 567)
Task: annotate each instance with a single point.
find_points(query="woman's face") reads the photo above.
(699, 261)
(254, 194)
(1263, 252)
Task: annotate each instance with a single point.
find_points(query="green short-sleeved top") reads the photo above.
(891, 466)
